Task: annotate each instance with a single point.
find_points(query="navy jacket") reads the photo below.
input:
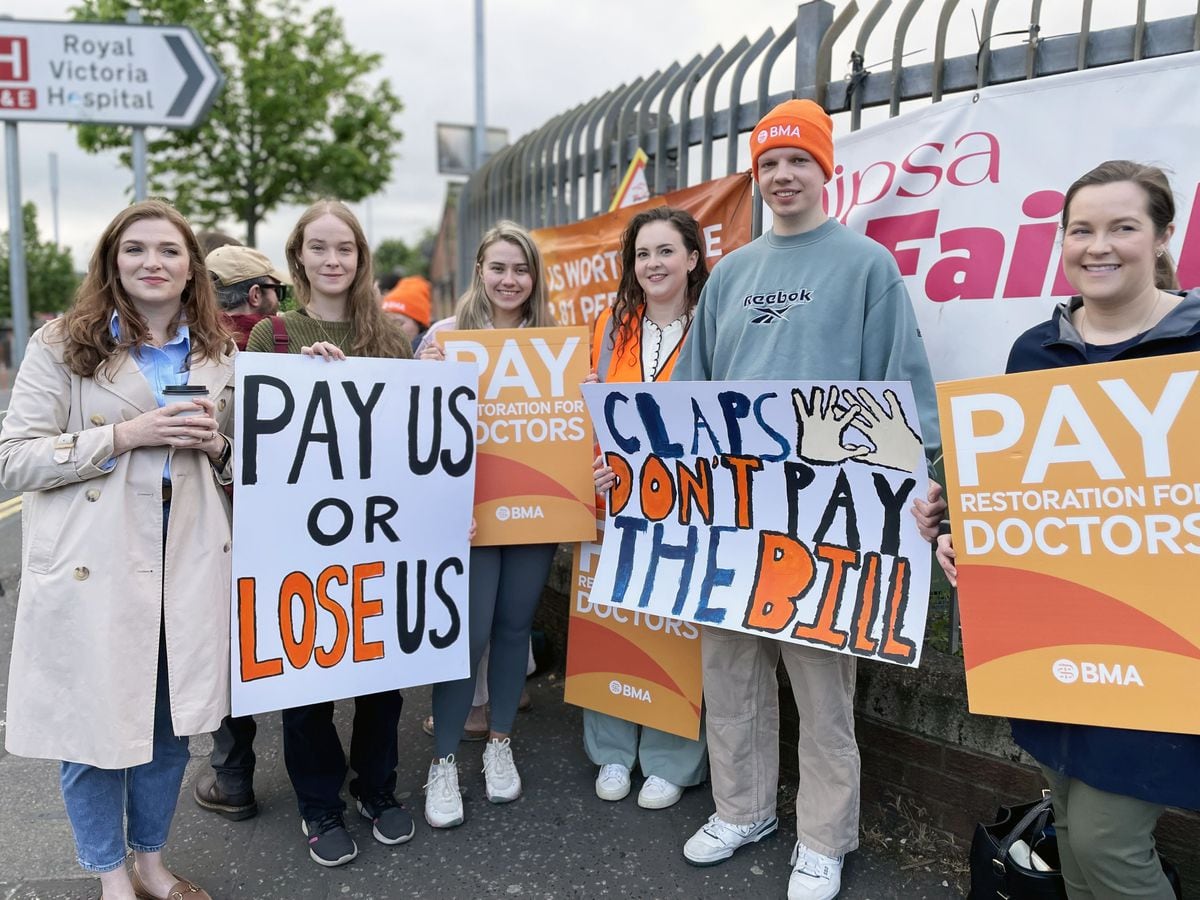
(1150, 765)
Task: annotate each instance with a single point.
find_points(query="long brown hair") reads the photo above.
(1160, 204)
(86, 327)
(475, 309)
(371, 332)
(627, 309)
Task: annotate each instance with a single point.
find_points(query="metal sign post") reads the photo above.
(17, 289)
(103, 73)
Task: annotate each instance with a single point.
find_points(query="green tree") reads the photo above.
(393, 253)
(49, 274)
(299, 117)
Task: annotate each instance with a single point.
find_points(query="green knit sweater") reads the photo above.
(303, 330)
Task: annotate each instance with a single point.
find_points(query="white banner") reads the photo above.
(354, 483)
(967, 194)
(779, 509)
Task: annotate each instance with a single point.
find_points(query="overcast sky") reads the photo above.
(543, 57)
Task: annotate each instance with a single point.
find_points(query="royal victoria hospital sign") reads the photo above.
(104, 73)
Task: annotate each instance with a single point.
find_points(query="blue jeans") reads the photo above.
(146, 795)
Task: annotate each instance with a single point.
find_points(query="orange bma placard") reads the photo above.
(638, 667)
(533, 465)
(1075, 508)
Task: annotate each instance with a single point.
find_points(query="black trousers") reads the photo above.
(232, 755)
(316, 764)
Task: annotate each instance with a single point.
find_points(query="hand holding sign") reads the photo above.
(820, 424)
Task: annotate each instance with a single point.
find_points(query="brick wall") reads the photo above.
(958, 787)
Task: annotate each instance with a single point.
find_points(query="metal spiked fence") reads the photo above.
(567, 169)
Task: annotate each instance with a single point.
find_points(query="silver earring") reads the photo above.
(1158, 253)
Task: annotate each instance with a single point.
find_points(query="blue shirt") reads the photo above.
(160, 366)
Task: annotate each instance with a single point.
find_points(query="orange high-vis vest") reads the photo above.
(624, 363)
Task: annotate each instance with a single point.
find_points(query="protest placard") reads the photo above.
(636, 666)
(583, 259)
(352, 508)
(773, 508)
(1075, 507)
(533, 481)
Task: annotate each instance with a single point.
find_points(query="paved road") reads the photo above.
(558, 841)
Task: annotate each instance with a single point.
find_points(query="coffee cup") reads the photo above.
(173, 393)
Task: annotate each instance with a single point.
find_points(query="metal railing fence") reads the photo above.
(567, 170)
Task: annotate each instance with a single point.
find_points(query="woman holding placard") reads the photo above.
(116, 435)
(638, 339)
(1110, 785)
(508, 290)
(339, 316)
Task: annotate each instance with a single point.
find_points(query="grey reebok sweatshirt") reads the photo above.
(828, 304)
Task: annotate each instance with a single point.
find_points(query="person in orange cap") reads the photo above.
(410, 304)
(815, 301)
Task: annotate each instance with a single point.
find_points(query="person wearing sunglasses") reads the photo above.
(249, 288)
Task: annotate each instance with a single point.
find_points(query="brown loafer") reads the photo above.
(180, 890)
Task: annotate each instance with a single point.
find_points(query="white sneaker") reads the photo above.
(717, 839)
(815, 876)
(658, 793)
(500, 772)
(613, 782)
(443, 800)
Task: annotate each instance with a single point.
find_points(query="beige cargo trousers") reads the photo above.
(741, 693)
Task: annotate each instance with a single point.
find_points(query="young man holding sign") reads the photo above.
(808, 300)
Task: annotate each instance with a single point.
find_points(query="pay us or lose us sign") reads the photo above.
(1075, 505)
(352, 508)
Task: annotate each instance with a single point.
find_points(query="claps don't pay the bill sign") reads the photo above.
(778, 509)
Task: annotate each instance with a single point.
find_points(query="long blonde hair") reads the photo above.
(371, 332)
(86, 329)
(475, 309)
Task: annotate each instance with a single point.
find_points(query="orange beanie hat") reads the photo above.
(795, 123)
(411, 297)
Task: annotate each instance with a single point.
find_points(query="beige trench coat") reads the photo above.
(94, 583)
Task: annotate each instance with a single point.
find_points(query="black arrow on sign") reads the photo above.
(192, 80)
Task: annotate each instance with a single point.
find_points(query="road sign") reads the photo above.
(106, 73)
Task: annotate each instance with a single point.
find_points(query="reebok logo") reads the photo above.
(773, 306)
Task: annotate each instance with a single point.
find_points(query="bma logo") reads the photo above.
(773, 306)
(620, 689)
(780, 131)
(1068, 672)
(504, 513)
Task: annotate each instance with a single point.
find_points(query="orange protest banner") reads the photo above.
(533, 467)
(583, 260)
(1075, 507)
(638, 667)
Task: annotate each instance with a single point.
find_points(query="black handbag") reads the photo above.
(995, 875)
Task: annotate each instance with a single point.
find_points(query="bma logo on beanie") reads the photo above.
(795, 123)
(779, 131)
